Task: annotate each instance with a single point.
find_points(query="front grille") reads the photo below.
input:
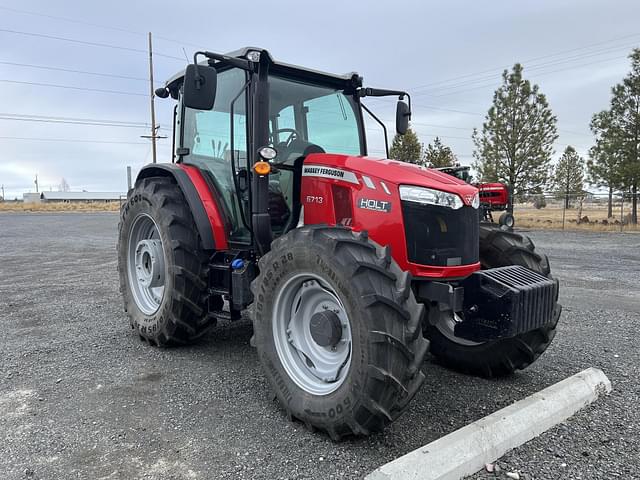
(441, 236)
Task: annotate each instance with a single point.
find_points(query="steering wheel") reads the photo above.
(293, 134)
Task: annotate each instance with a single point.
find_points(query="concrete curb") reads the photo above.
(468, 449)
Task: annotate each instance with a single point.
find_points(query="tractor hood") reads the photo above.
(392, 172)
(365, 194)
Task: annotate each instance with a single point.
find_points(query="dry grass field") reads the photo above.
(85, 207)
(550, 217)
(526, 215)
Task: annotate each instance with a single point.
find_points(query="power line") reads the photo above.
(71, 87)
(73, 140)
(531, 67)
(66, 19)
(49, 117)
(15, 119)
(542, 66)
(459, 90)
(539, 74)
(586, 47)
(432, 107)
(59, 69)
(465, 113)
(84, 42)
(90, 24)
(433, 125)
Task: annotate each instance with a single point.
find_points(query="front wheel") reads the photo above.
(498, 248)
(337, 330)
(507, 220)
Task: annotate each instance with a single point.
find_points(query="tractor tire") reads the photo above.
(498, 248)
(507, 220)
(379, 342)
(162, 266)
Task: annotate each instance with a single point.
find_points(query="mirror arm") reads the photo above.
(379, 92)
(233, 61)
(408, 102)
(383, 92)
(384, 127)
(195, 67)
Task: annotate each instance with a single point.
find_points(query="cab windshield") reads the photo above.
(303, 115)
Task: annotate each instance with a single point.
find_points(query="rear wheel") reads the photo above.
(162, 266)
(498, 248)
(338, 330)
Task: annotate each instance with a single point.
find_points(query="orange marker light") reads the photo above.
(262, 168)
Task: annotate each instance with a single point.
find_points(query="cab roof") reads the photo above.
(347, 81)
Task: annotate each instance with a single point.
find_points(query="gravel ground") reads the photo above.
(82, 397)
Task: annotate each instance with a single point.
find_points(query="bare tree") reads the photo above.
(64, 185)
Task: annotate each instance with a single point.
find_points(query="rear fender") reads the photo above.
(203, 205)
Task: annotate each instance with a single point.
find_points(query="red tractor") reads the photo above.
(351, 268)
(494, 197)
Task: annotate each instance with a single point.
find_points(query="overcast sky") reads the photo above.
(449, 55)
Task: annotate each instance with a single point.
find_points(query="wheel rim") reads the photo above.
(446, 327)
(146, 264)
(305, 305)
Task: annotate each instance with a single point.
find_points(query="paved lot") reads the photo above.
(82, 397)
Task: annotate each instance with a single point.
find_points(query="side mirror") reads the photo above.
(403, 114)
(200, 82)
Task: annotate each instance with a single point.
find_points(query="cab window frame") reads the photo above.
(301, 118)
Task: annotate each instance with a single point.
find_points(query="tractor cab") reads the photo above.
(463, 172)
(256, 102)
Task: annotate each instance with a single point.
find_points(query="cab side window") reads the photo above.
(207, 135)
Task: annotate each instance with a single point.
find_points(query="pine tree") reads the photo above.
(438, 155)
(621, 131)
(568, 175)
(516, 142)
(406, 148)
(604, 161)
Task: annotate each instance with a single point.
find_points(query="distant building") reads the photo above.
(73, 197)
(31, 198)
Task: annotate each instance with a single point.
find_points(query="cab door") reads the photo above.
(216, 142)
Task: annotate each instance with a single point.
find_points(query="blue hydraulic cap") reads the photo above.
(237, 264)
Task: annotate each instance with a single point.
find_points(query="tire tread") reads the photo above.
(393, 371)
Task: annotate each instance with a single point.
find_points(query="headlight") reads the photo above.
(475, 203)
(429, 196)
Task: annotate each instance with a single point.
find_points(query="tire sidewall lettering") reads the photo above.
(147, 325)
(339, 403)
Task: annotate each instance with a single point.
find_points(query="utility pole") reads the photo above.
(152, 95)
(36, 182)
(3, 192)
(129, 178)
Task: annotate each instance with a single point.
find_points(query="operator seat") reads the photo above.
(290, 179)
